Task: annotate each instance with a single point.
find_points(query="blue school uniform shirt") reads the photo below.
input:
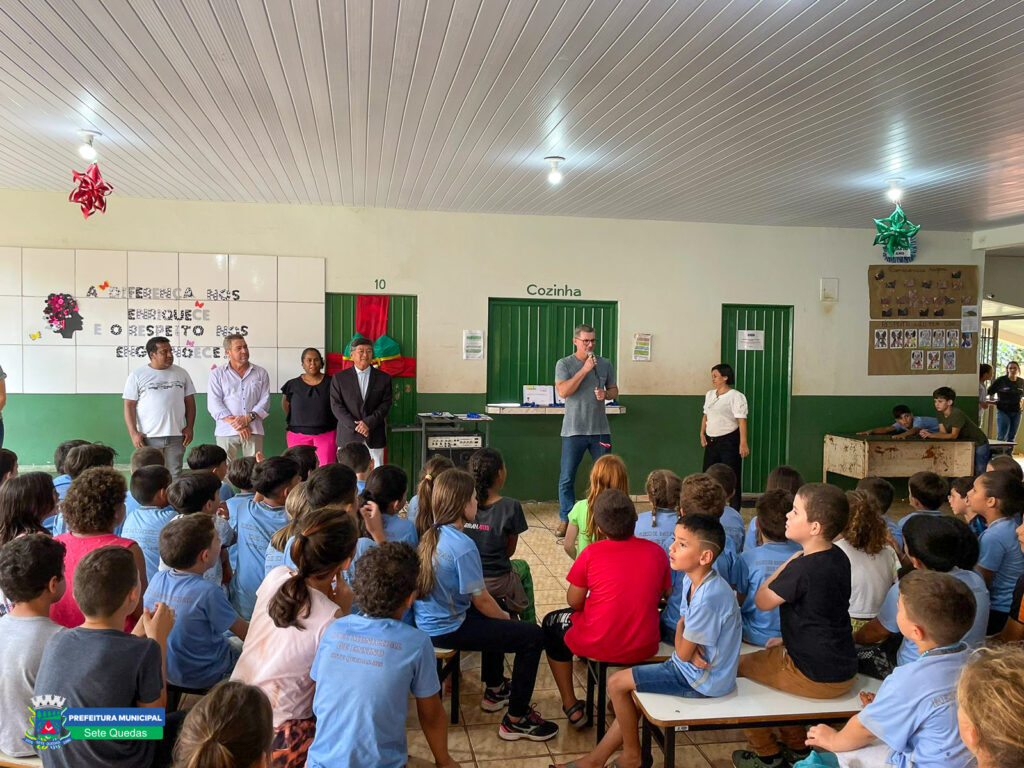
(1001, 554)
(750, 540)
(978, 525)
(761, 562)
(732, 521)
(273, 558)
(226, 491)
(414, 508)
(914, 713)
(198, 654)
(233, 504)
(61, 483)
(975, 636)
(458, 573)
(712, 622)
(257, 523)
(143, 526)
(662, 533)
(903, 521)
(728, 565)
(931, 423)
(896, 530)
(359, 654)
(215, 574)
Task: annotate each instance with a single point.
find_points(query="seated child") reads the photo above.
(293, 610)
(762, 627)
(198, 493)
(990, 696)
(883, 493)
(781, 478)
(152, 512)
(812, 592)
(911, 720)
(731, 519)
(454, 607)
(306, 457)
(873, 563)
(63, 479)
(961, 506)
(954, 424)
(111, 668)
(435, 465)
(707, 642)
(295, 507)
(375, 651)
(663, 488)
(999, 498)
(208, 457)
(1006, 463)
(8, 465)
(273, 479)
(230, 726)
(81, 458)
(356, 456)
(926, 491)
(32, 579)
(499, 521)
(198, 653)
(608, 471)
(906, 424)
(944, 545)
(615, 588)
(93, 508)
(146, 456)
(26, 501)
(240, 477)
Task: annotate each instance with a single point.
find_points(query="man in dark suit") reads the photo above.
(361, 398)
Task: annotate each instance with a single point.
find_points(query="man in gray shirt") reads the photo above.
(585, 382)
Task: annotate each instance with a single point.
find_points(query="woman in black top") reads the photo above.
(307, 408)
(1009, 390)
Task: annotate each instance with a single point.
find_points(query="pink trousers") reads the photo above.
(326, 449)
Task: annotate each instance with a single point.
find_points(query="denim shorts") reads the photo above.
(664, 678)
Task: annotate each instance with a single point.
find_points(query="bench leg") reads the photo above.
(646, 756)
(456, 674)
(670, 746)
(602, 699)
(590, 693)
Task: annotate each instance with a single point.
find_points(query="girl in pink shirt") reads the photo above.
(93, 508)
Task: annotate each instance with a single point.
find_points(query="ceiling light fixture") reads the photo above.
(554, 175)
(895, 192)
(86, 150)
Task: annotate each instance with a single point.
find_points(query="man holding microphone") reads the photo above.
(585, 382)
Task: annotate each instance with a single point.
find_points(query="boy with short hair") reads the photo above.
(199, 493)
(272, 479)
(143, 524)
(198, 653)
(306, 457)
(706, 643)
(63, 480)
(958, 490)
(954, 424)
(373, 650)
(926, 491)
(912, 720)
(731, 519)
(110, 668)
(32, 578)
(146, 456)
(357, 457)
(208, 457)
(812, 592)
(905, 424)
(239, 476)
(762, 627)
(881, 490)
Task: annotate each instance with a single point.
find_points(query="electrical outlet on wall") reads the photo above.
(829, 290)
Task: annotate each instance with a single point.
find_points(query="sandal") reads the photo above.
(578, 708)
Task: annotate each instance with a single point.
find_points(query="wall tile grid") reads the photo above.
(278, 303)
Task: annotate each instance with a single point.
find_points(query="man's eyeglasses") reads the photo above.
(586, 341)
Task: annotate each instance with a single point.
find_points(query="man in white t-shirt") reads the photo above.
(160, 404)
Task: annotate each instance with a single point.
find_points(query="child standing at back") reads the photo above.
(143, 524)
(990, 696)
(731, 519)
(782, 478)
(812, 592)
(999, 498)
(608, 471)
(762, 627)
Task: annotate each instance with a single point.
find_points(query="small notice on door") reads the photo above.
(749, 341)
(642, 347)
(472, 345)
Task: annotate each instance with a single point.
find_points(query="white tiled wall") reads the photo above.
(254, 277)
(10, 272)
(300, 325)
(47, 270)
(10, 361)
(259, 319)
(96, 269)
(49, 369)
(300, 279)
(99, 371)
(10, 320)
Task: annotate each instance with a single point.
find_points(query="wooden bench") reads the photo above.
(448, 663)
(6, 761)
(751, 705)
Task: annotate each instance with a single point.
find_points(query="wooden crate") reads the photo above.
(857, 457)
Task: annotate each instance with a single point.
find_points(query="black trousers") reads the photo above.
(494, 638)
(725, 449)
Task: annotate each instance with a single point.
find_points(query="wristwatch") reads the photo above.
(252, 416)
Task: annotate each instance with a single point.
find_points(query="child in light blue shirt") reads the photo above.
(927, 492)
(731, 519)
(912, 720)
(211, 458)
(144, 523)
(199, 493)
(198, 653)
(759, 627)
(240, 477)
(999, 498)
(783, 478)
(663, 487)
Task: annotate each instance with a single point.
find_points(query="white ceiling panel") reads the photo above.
(772, 112)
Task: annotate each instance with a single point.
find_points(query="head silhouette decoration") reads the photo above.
(61, 313)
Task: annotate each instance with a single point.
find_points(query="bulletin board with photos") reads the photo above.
(923, 319)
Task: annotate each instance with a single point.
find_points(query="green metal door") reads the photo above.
(403, 447)
(765, 376)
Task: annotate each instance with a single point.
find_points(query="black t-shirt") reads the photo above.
(310, 412)
(1009, 393)
(816, 615)
(490, 532)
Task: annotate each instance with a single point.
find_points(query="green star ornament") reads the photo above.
(895, 232)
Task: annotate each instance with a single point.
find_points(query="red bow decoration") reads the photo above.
(91, 191)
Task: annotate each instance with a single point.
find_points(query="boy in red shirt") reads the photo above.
(627, 579)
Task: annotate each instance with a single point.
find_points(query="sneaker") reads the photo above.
(496, 698)
(794, 756)
(532, 727)
(743, 758)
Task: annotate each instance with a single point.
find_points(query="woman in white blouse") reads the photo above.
(723, 427)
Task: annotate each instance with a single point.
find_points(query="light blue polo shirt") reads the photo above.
(61, 483)
(750, 540)
(1001, 554)
(458, 573)
(903, 520)
(712, 622)
(914, 713)
(761, 562)
(920, 422)
(143, 525)
(233, 504)
(732, 521)
(357, 655)
(257, 523)
(728, 565)
(658, 526)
